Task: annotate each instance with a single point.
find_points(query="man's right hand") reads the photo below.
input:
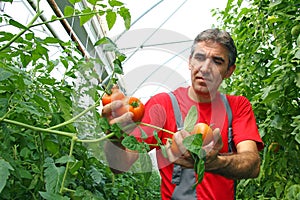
(110, 112)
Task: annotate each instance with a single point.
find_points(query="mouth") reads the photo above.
(202, 80)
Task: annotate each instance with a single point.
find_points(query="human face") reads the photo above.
(209, 66)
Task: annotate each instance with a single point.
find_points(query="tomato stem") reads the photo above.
(76, 117)
(74, 138)
(68, 134)
(154, 145)
(135, 104)
(96, 140)
(156, 127)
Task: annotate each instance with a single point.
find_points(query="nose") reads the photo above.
(205, 67)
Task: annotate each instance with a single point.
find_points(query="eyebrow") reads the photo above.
(219, 58)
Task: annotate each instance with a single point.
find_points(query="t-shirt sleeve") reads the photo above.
(244, 123)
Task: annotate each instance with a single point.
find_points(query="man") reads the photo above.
(212, 59)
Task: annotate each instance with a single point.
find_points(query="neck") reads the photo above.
(201, 97)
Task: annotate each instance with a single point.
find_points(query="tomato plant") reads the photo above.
(48, 135)
(268, 43)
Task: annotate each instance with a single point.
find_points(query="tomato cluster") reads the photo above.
(115, 94)
(130, 104)
(199, 128)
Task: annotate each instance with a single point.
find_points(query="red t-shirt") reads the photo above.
(159, 112)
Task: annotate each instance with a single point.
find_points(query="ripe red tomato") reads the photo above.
(115, 94)
(205, 130)
(137, 108)
(274, 147)
(131, 104)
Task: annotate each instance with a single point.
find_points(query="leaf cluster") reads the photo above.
(49, 103)
(267, 73)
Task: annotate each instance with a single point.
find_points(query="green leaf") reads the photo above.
(114, 3)
(104, 40)
(93, 2)
(53, 17)
(191, 119)
(118, 67)
(85, 18)
(17, 24)
(125, 14)
(53, 196)
(297, 80)
(47, 80)
(29, 36)
(25, 59)
(130, 142)
(52, 146)
(74, 1)
(69, 11)
(4, 173)
(53, 176)
(164, 151)
(64, 159)
(293, 192)
(76, 166)
(146, 165)
(96, 175)
(121, 57)
(193, 143)
(52, 40)
(275, 3)
(111, 18)
(4, 74)
(144, 135)
(24, 173)
(156, 137)
(297, 54)
(199, 168)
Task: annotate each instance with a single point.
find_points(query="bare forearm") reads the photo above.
(118, 158)
(236, 166)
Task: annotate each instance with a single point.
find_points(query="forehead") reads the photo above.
(211, 49)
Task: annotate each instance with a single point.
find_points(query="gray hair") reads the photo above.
(221, 37)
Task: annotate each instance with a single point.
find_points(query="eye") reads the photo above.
(218, 61)
(199, 57)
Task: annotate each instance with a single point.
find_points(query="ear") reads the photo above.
(230, 70)
(190, 67)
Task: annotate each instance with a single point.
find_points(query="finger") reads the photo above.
(109, 108)
(178, 138)
(184, 133)
(123, 119)
(186, 163)
(171, 157)
(218, 143)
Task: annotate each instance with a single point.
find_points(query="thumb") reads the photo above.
(217, 138)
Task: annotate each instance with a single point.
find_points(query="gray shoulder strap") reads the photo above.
(183, 178)
(177, 113)
(229, 116)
